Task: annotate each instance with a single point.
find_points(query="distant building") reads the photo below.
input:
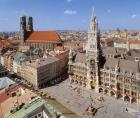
(134, 44)
(107, 42)
(9, 43)
(127, 44)
(37, 39)
(120, 43)
(119, 34)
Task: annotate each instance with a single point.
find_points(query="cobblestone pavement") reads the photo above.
(79, 101)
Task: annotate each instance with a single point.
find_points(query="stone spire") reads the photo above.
(93, 42)
(94, 16)
(70, 56)
(93, 52)
(94, 22)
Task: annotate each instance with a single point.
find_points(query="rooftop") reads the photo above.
(14, 96)
(19, 56)
(124, 65)
(26, 109)
(44, 36)
(80, 57)
(51, 105)
(42, 62)
(5, 82)
(7, 42)
(134, 42)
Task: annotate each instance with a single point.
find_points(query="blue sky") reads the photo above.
(70, 14)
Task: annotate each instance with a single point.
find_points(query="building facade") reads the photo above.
(43, 70)
(37, 39)
(129, 44)
(109, 71)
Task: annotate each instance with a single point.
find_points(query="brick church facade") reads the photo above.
(37, 39)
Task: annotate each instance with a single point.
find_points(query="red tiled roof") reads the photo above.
(6, 42)
(44, 36)
(69, 44)
(61, 56)
(14, 42)
(1, 43)
(5, 95)
(60, 48)
(134, 42)
(107, 40)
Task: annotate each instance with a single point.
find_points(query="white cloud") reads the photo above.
(69, 1)
(133, 16)
(70, 12)
(108, 11)
(21, 12)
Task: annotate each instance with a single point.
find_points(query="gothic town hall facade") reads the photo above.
(107, 70)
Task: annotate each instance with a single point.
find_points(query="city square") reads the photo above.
(67, 95)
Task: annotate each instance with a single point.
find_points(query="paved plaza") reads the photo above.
(78, 99)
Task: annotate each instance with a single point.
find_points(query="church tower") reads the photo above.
(23, 29)
(30, 24)
(93, 54)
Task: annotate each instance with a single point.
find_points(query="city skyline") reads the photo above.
(69, 14)
(69, 58)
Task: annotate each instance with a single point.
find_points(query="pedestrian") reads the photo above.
(126, 109)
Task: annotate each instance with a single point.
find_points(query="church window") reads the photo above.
(91, 46)
(112, 75)
(107, 67)
(113, 69)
